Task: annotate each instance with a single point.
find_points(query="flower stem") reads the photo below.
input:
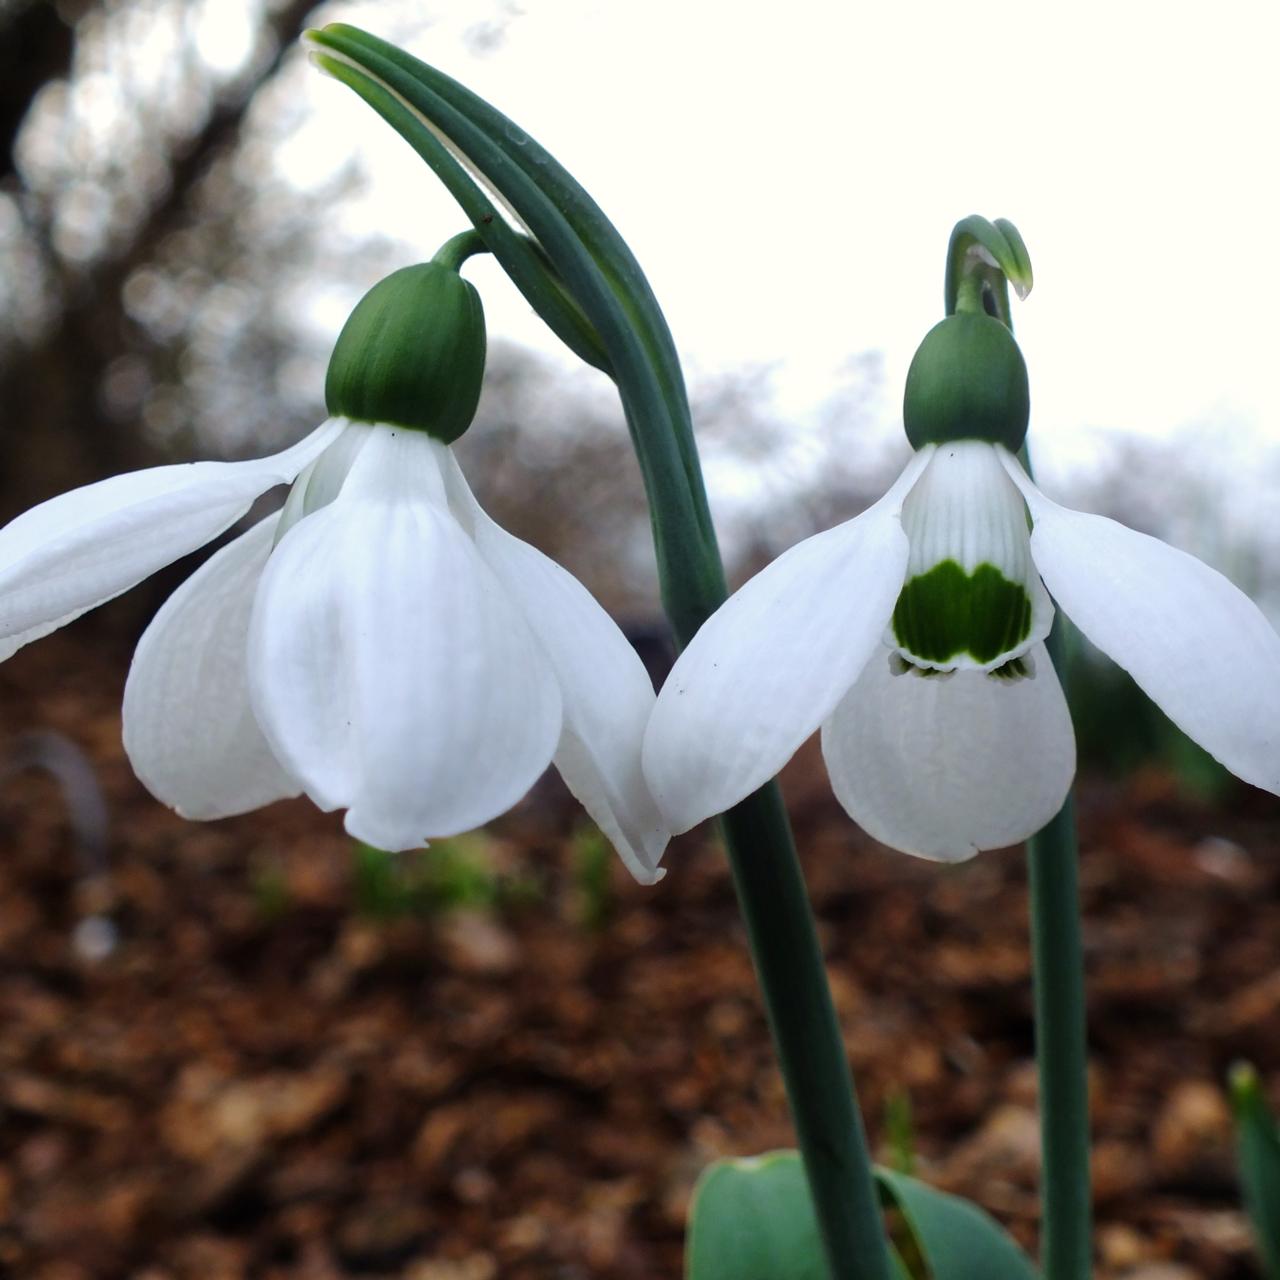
(969, 294)
(456, 250)
(596, 298)
(806, 1034)
(1061, 1057)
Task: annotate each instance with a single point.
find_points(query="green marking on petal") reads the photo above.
(1014, 669)
(946, 613)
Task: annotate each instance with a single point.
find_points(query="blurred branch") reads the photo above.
(53, 434)
(36, 44)
(191, 162)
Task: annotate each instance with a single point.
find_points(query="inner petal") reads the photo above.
(972, 597)
(320, 482)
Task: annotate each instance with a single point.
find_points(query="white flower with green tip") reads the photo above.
(379, 644)
(913, 637)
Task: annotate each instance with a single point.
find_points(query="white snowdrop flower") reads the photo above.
(380, 644)
(913, 637)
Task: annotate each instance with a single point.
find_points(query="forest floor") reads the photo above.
(279, 1061)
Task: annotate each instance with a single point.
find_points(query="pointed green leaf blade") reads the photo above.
(956, 1239)
(463, 117)
(752, 1219)
(519, 255)
(1258, 1151)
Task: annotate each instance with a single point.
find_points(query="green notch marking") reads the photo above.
(946, 612)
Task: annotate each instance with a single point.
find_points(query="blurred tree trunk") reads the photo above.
(55, 432)
(35, 47)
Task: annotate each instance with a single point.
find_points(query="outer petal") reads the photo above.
(943, 766)
(1198, 646)
(388, 669)
(767, 668)
(607, 693)
(82, 548)
(188, 726)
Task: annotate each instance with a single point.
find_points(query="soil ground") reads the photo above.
(286, 1067)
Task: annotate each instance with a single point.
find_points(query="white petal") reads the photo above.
(82, 548)
(767, 668)
(943, 766)
(1198, 646)
(321, 480)
(607, 692)
(388, 669)
(965, 514)
(188, 727)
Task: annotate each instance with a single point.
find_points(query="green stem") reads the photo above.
(1061, 1055)
(455, 251)
(1062, 1066)
(969, 294)
(806, 1033)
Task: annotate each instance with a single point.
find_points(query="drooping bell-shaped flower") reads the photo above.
(379, 644)
(913, 637)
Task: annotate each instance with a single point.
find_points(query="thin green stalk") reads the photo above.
(806, 1034)
(1057, 954)
(454, 252)
(1061, 1054)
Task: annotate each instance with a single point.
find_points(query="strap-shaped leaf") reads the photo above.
(957, 1240)
(1258, 1150)
(446, 123)
(519, 255)
(752, 1219)
(475, 122)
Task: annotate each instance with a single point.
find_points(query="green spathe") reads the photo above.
(967, 381)
(411, 354)
(946, 613)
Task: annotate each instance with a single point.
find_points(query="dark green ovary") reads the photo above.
(947, 613)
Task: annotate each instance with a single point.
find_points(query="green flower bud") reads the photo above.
(411, 354)
(967, 381)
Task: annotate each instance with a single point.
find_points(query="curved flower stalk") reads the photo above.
(581, 257)
(379, 644)
(913, 636)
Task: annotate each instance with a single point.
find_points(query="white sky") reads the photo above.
(788, 175)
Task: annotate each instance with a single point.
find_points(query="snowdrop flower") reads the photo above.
(379, 644)
(913, 636)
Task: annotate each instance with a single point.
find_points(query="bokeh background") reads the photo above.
(245, 1050)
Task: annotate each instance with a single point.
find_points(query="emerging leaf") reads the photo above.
(752, 1219)
(955, 1240)
(1258, 1149)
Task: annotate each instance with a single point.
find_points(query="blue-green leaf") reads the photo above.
(521, 256)
(1258, 1150)
(956, 1240)
(752, 1219)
